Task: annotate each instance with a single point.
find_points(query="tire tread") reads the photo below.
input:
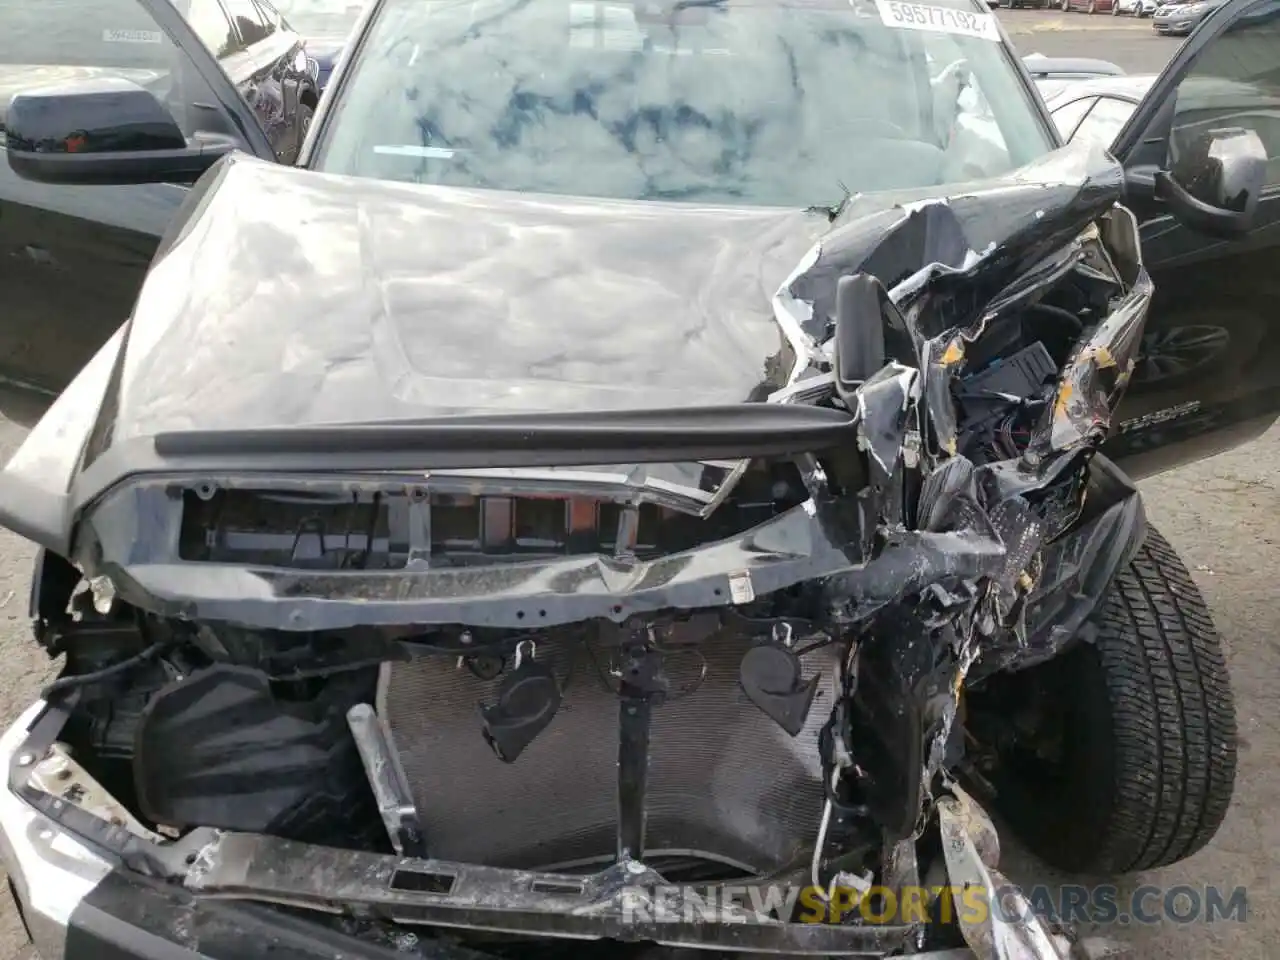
(1173, 714)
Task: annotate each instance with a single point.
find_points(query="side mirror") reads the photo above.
(861, 302)
(1214, 184)
(102, 131)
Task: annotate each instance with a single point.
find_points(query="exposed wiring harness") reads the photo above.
(106, 673)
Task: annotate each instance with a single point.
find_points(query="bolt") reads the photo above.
(635, 866)
(26, 759)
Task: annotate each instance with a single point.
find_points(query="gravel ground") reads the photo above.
(1222, 514)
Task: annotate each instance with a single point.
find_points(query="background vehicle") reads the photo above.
(325, 25)
(1135, 8)
(1053, 73)
(261, 55)
(75, 255)
(1115, 99)
(1069, 68)
(1087, 6)
(1179, 19)
(374, 125)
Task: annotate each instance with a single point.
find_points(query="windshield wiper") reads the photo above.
(831, 212)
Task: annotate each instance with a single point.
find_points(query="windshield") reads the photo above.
(320, 18)
(765, 102)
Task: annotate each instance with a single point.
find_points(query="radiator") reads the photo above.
(725, 783)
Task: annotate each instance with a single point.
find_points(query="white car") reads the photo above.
(1135, 8)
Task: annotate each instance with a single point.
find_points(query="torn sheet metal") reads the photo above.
(1075, 571)
(613, 904)
(962, 272)
(1012, 342)
(1008, 928)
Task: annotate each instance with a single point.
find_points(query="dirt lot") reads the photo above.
(1222, 514)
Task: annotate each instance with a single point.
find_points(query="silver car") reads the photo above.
(1179, 19)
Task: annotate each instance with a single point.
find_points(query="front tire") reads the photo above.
(1146, 757)
(306, 113)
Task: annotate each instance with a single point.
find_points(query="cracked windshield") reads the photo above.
(758, 102)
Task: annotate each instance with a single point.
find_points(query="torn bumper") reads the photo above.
(75, 901)
(50, 873)
(79, 898)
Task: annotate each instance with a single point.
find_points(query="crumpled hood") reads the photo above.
(331, 299)
(286, 299)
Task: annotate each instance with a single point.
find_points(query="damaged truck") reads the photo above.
(644, 456)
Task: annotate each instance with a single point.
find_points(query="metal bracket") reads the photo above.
(388, 782)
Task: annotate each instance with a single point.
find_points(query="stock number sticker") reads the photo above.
(132, 36)
(925, 16)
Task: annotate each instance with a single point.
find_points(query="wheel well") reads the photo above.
(309, 99)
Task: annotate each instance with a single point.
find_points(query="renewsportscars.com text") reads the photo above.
(1102, 904)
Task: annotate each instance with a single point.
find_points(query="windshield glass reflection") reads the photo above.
(320, 18)
(742, 101)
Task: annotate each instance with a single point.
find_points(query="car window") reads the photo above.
(740, 101)
(1104, 121)
(81, 33)
(56, 41)
(1068, 115)
(1235, 82)
(270, 15)
(209, 22)
(250, 21)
